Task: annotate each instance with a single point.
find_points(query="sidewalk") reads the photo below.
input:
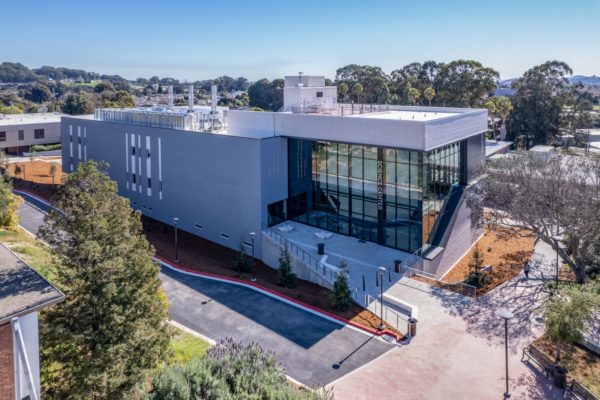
(458, 352)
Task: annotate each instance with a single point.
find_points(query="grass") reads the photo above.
(185, 346)
(30, 250)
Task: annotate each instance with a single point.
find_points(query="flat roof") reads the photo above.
(407, 115)
(495, 146)
(22, 289)
(30, 118)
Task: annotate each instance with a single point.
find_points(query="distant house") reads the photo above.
(23, 293)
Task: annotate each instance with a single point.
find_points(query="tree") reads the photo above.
(429, 94)
(266, 95)
(38, 94)
(341, 295)
(357, 90)
(242, 261)
(53, 174)
(464, 83)
(104, 86)
(111, 329)
(372, 80)
(556, 197)
(8, 203)
(285, 275)
(414, 75)
(499, 107)
(229, 371)
(342, 90)
(414, 95)
(538, 104)
(567, 314)
(77, 104)
(477, 277)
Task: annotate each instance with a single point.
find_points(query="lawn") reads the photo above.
(185, 346)
(32, 251)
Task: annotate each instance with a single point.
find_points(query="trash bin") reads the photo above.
(560, 376)
(397, 266)
(320, 248)
(412, 327)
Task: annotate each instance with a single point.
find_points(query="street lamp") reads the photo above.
(252, 236)
(175, 221)
(557, 240)
(381, 273)
(505, 315)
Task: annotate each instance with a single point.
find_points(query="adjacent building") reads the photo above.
(23, 293)
(391, 175)
(18, 132)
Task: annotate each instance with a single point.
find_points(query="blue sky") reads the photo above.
(204, 39)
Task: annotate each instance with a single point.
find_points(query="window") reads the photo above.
(38, 133)
(224, 235)
(21, 135)
(319, 94)
(197, 226)
(149, 183)
(133, 175)
(147, 153)
(133, 150)
(2, 136)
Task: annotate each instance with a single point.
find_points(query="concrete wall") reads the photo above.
(459, 242)
(51, 134)
(218, 186)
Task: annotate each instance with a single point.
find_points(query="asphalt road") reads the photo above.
(312, 349)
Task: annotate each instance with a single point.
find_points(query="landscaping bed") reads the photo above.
(582, 363)
(505, 250)
(34, 176)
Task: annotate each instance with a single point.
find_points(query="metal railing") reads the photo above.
(393, 318)
(339, 110)
(322, 269)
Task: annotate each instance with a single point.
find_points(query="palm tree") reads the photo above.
(429, 94)
(357, 90)
(413, 95)
(52, 173)
(499, 107)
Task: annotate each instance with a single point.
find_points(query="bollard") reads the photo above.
(376, 280)
(364, 284)
(389, 275)
(321, 248)
(397, 266)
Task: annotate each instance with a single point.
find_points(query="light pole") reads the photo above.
(505, 315)
(557, 240)
(381, 273)
(175, 221)
(252, 236)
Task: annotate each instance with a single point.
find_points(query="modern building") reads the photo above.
(391, 175)
(18, 132)
(23, 293)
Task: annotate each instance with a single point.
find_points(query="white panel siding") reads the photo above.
(134, 179)
(160, 191)
(139, 157)
(127, 159)
(79, 142)
(85, 143)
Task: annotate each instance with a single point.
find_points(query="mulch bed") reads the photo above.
(202, 255)
(582, 363)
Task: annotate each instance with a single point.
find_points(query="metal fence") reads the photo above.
(459, 287)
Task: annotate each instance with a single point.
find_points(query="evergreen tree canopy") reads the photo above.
(111, 327)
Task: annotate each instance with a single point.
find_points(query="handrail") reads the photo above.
(389, 315)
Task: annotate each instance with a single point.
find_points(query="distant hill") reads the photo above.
(586, 80)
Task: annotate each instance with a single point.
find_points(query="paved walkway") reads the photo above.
(458, 352)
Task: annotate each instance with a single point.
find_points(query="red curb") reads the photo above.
(287, 298)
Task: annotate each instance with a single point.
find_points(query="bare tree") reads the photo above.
(557, 197)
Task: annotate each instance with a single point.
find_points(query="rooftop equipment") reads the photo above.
(191, 98)
(170, 97)
(213, 99)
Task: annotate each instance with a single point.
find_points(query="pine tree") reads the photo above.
(111, 329)
(242, 262)
(476, 276)
(285, 276)
(341, 296)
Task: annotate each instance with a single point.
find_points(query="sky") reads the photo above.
(199, 39)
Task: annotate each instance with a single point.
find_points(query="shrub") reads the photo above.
(242, 262)
(229, 371)
(285, 276)
(341, 296)
(45, 147)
